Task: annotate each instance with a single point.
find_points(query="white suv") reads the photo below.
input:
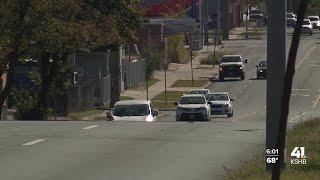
(221, 103)
(314, 21)
(133, 110)
(193, 107)
(306, 27)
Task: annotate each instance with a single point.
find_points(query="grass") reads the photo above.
(162, 104)
(123, 98)
(151, 82)
(80, 115)
(188, 83)
(305, 134)
(171, 95)
(210, 60)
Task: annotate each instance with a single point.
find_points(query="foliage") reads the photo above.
(154, 57)
(176, 51)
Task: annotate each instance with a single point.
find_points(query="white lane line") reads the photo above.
(243, 116)
(33, 142)
(301, 89)
(304, 95)
(305, 57)
(90, 127)
(316, 102)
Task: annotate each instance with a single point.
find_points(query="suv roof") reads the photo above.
(231, 56)
(219, 93)
(132, 102)
(193, 95)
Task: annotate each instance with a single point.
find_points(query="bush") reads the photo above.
(176, 51)
(210, 60)
(154, 59)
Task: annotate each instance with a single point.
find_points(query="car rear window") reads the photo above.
(192, 100)
(231, 59)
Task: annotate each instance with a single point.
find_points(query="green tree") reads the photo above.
(52, 30)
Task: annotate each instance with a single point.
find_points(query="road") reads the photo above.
(165, 149)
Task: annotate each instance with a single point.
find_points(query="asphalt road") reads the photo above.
(165, 149)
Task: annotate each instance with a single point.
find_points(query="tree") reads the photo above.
(52, 30)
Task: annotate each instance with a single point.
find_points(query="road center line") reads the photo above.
(33, 142)
(90, 127)
(243, 116)
(316, 102)
(305, 57)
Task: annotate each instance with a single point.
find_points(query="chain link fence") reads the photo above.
(134, 73)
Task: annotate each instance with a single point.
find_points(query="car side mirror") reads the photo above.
(231, 99)
(210, 102)
(175, 103)
(246, 61)
(155, 112)
(109, 115)
(256, 65)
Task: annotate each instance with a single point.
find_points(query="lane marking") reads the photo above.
(243, 116)
(90, 127)
(305, 57)
(316, 102)
(33, 142)
(304, 95)
(301, 89)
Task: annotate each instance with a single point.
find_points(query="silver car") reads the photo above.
(221, 103)
(193, 107)
(133, 110)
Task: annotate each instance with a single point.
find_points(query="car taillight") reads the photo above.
(221, 69)
(241, 67)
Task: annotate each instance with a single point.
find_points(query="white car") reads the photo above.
(221, 103)
(292, 15)
(193, 107)
(315, 21)
(200, 91)
(133, 110)
(307, 27)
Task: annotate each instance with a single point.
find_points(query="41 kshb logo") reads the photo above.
(298, 156)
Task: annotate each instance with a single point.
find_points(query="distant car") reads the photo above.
(193, 107)
(315, 21)
(292, 15)
(232, 66)
(307, 27)
(221, 103)
(262, 69)
(291, 22)
(200, 91)
(133, 110)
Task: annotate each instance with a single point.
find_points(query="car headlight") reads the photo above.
(261, 71)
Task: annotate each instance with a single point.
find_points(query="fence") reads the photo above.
(105, 96)
(77, 98)
(134, 73)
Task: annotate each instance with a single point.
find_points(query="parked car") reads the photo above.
(133, 110)
(221, 103)
(291, 22)
(193, 107)
(262, 69)
(232, 66)
(315, 21)
(306, 27)
(200, 91)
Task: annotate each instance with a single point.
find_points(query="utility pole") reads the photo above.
(146, 74)
(276, 50)
(165, 62)
(247, 18)
(191, 57)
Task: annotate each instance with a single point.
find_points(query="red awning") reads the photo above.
(171, 6)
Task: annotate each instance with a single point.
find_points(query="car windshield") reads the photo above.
(192, 100)
(131, 110)
(231, 59)
(314, 19)
(306, 22)
(263, 64)
(199, 92)
(217, 97)
(255, 12)
(290, 16)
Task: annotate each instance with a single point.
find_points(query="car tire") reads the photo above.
(258, 77)
(221, 78)
(242, 77)
(230, 115)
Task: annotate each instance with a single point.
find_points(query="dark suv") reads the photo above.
(232, 66)
(262, 70)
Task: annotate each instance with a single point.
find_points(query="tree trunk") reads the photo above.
(288, 79)
(115, 80)
(43, 90)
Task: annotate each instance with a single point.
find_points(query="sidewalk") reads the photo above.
(178, 72)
